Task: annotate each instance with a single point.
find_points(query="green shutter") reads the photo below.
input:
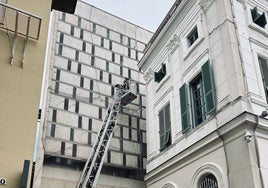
(209, 89)
(167, 138)
(185, 111)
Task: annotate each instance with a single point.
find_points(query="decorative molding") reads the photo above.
(173, 43)
(148, 75)
(169, 185)
(204, 4)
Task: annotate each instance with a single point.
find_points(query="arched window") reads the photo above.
(208, 181)
(169, 185)
(209, 176)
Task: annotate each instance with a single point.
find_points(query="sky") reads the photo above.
(147, 14)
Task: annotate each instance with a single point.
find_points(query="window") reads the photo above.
(63, 16)
(79, 121)
(158, 76)
(164, 127)
(106, 102)
(79, 22)
(110, 45)
(121, 39)
(84, 46)
(209, 181)
(81, 34)
(101, 75)
(128, 42)
(93, 50)
(137, 55)
(91, 85)
(264, 72)
(107, 65)
(110, 79)
(54, 116)
(121, 71)
(113, 57)
(71, 134)
(129, 52)
(258, 18)
(89, 132)
(82, 82)
(72, 30)
(77, 107)
(108, 33)
(66, 104)
(74, 150)
(102, 42)
(129, 73)
(94, 28)
(79, 68)
(57, 85)
(91, 97)
(121, 65)
(92, 61)
(62, 148)
(60, 49)
(193, 36)
(76, 55)
(197, 99)
(112, 91)
(74, 92)
(58, 74)
(69, 66)
(196, 87)
(100, 113)
(61, 37)
(52, 130)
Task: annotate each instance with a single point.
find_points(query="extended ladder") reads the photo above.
(124, 95)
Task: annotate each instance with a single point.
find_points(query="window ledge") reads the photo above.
(162, 82)
(258, 28)
(192, 47)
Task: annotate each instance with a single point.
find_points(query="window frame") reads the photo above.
(264, 77)
(200, 99)
(253, 25)
(188, 49)
(166, 131)
(208, 100)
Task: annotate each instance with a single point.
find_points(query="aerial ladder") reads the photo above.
(124, 94)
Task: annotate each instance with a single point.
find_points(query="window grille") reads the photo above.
(209, 181)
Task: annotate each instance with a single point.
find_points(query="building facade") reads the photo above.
(22, 57)
(91, 52)
(206, 96)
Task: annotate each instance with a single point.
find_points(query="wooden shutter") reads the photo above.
(209, 88)
(185, 108)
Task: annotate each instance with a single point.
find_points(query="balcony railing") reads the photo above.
(19, 21)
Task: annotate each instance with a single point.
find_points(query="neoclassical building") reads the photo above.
(206, 73)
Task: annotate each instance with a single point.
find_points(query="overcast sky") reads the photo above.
(145, 13)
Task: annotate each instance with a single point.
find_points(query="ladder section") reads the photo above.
(94, 163)
(125, 93)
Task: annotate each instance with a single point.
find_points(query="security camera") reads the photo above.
(264, 114)
(248, 136)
